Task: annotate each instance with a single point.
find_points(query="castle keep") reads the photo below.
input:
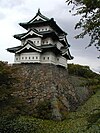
(43, 42)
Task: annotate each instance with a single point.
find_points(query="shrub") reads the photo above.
(18, 125)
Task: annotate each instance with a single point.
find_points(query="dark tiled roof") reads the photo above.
(31, 43)
(68, 55)
(43, 48)
(19, 36)
(49, 22)
(50, 47)
(46, 46)
(38, 14)
(45, 34)
(14, 49)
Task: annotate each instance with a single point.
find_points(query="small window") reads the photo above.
(37, 41)
(57, 59)
(25, 57)
(42, 29)
(43, 58)
(39, 29)
(48, 58)
(32, 57)
(16, 58)
(43, 42)
(46, 41)
(45, 28)
(36, 57)
(29, 58)
(22, 58)
(34, 41)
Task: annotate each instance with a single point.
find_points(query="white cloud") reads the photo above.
(10, 3)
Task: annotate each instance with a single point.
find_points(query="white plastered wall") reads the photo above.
(36, 57)
(62, 61)
(48, 57)
(28, 58)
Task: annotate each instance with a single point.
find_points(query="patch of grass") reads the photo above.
(84, 120)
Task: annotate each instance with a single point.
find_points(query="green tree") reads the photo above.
(82, 71)
(90, 20)
(7, 100)
(11, 104)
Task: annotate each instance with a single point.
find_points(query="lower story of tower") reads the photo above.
(36, 57)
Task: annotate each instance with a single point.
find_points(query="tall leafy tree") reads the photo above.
(90, 19)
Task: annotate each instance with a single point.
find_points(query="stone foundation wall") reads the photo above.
(46, 90)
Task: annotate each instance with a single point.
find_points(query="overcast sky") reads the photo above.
(13, 12)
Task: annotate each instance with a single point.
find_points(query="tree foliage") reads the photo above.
(92, 78)
(82, 71)
(90, 19)
(9, 104)
(7, 101)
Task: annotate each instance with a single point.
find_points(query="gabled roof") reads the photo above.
(34, 33)
(38, 17)
(29, 44)
(50, 23)
(41, 20)
(30, 33)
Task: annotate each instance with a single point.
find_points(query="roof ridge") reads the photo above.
(38, 14)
